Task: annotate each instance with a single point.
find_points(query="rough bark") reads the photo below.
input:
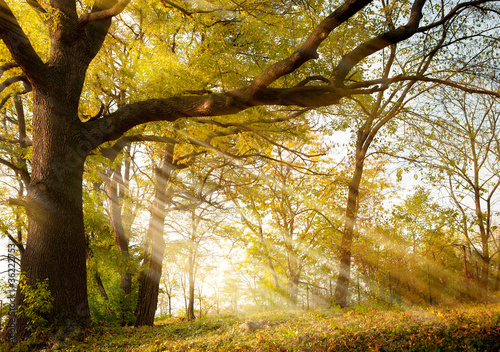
(55, 247)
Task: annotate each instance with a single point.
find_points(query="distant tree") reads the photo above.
(458, 137)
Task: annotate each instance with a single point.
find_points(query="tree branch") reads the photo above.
(18, 244)
(19, 45)
(370, 47)
(7, 66)
(105, 14)
(112, 152)
(36, 6)
(112, 126)
(18, 202)
(308, 50)
(9, 81)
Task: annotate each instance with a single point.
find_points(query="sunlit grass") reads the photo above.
(362, 328)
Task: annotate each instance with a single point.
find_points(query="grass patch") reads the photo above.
(463, 328)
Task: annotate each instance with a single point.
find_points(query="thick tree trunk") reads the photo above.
(344, 277)
(150, 275)
(55, 247)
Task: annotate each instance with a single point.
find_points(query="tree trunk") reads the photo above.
(56, 247)
(169, 294)
(150, 275)
(293, 288)
(191, 278)
(485, 266)
(344, 277)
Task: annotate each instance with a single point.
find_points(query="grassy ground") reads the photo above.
(464, 328)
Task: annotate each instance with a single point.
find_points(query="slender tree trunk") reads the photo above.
(464, 255)
(169, 294)
(485, 265)
(199, 300)
(115, 215)
(344, 277)
(268, 257)
(191, 279)
(293, 288)
(150, 275)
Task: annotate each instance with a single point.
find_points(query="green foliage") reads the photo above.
(36, 305)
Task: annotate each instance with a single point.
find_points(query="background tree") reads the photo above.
(460, 142)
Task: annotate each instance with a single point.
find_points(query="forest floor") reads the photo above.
(460, 328)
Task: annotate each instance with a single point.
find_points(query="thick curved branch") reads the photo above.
(112, 126)
(19, 45)
(104, 14)
(7, 66)
(96, 23)
(9, 81)
(308, 50)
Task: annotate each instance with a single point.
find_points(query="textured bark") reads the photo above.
(56, 247)
(150, 275)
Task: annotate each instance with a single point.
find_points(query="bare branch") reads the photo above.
(5, 67)
(18, 244)
(452, 13)
(312, 78)
(18, 202)
(184, 11)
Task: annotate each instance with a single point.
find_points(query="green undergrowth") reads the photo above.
(463, 328)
